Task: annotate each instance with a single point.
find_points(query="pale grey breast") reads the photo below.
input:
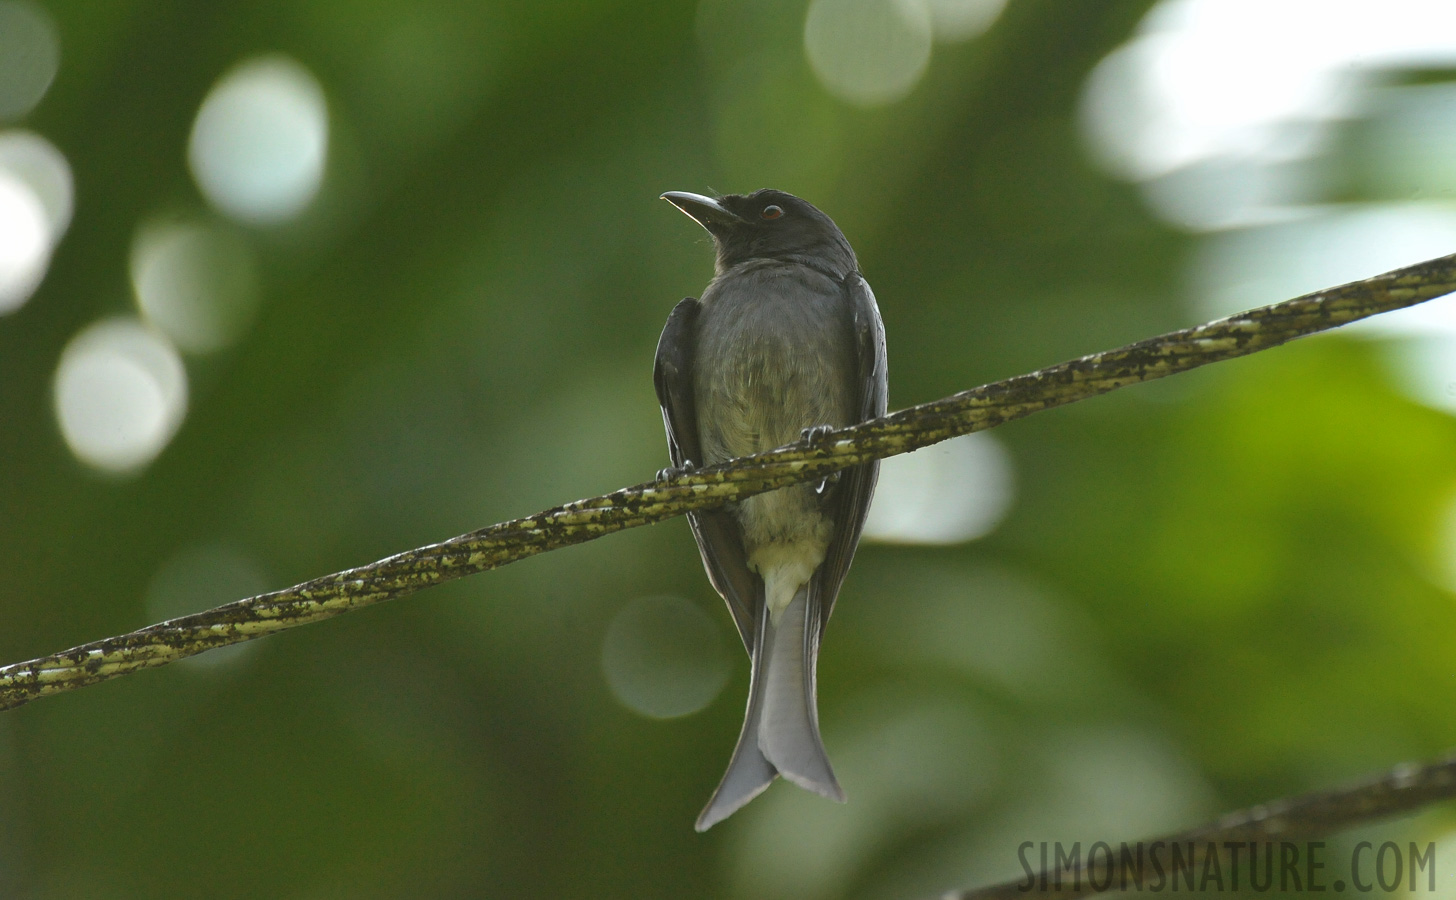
(773, 358)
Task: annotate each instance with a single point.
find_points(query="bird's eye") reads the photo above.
(772, 212)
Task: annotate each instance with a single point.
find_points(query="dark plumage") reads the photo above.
(787, 337)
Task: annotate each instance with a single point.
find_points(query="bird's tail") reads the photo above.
(781, 728)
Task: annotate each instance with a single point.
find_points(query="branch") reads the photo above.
(584, 520)
(1405, 788)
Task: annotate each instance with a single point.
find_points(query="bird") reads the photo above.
(785, 343)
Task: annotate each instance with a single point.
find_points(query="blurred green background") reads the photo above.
(292, 286)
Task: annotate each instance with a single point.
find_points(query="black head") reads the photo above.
(768, 224)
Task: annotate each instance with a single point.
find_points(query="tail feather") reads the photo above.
(749, 773)
(780, 733)
(788, 731)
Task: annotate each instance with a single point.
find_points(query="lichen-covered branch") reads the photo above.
(1405, 788)
(909, 429)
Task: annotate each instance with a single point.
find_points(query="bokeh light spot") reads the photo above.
(954, 491)
(961, 20)
(260, 141)
(1407, 144)
(201, 577)
(37, 162)
(868, 52)
(664, 657)
(120, 394)
(198, 283)
(1171, 100)
(24, 242)
(35, 208)
(30, 54)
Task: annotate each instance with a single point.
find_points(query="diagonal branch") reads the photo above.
(909, 429)
(1403, 789)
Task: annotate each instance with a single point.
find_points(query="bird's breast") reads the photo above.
(773, 358)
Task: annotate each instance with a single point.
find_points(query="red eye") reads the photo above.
(772, 212)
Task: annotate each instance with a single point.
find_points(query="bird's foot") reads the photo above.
(827, 482)
(816, 434)
(813, 437)
(671, 472)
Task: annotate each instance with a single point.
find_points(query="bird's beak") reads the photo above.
(706, 211)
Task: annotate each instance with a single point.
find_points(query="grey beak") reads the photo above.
(706, 211)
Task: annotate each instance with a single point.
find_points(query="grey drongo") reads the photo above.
(785, 341)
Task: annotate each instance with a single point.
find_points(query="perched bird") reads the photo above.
(785, 343)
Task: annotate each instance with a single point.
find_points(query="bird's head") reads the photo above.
(768, 224)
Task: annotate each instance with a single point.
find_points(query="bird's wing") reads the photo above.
(717, 534)
(850, 500)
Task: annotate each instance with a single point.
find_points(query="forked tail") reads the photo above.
(781, 728)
